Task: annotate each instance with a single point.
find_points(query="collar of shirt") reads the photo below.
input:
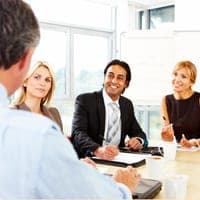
(3, 96)
(108, 100)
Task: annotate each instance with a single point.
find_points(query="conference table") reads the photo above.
(186, 162)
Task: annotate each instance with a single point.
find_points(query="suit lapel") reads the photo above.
(101, 113)
(123, 113)
(47, 112)
(23, 106)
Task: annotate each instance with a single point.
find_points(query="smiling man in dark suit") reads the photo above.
(91, 129)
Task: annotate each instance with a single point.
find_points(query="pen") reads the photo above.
(104, 139)
(164, 118)
(183, 136)
(126, 149)
(197, 144)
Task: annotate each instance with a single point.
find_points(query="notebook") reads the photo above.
(146, 189)
(124, 159)
(153, 150)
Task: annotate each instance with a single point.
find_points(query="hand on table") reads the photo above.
(106, 152)
(188, 143)
(128, 176)
(133, 143)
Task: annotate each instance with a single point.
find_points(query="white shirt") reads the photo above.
(108, 100)
(3, 97)
(37, 162)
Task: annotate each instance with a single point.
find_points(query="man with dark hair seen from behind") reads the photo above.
(36, 161)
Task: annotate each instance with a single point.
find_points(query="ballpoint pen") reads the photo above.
(104, 139)
(164, 118)
(183, 136)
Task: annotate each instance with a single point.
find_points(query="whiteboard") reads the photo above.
(152, 55)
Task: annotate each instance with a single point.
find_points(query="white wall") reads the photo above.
(153, 54)
(187, 15)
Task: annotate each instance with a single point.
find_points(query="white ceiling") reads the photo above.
(141, 3)
(149, 3)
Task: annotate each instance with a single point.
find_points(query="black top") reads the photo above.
(184, 114)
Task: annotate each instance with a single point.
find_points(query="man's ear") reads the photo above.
(127, 84)
(25, 60)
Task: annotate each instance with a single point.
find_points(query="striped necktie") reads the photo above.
(113, 131)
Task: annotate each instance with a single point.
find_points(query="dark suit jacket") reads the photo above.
(50, 112)
(88, 122)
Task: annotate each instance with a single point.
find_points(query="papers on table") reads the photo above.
(102, 170)
(130, 158)
(134, 159)
(191, 149)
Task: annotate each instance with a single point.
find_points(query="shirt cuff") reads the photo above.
(125, 191)
(141, 140)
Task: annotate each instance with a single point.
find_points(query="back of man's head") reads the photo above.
(19, 30)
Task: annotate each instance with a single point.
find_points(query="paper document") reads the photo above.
(191, 149)
(129, 158)
(102, 170)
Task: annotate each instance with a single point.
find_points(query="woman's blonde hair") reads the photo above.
(22, 92)
(189, 66)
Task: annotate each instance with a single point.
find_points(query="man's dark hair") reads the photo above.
(124, 65)
(19, 30)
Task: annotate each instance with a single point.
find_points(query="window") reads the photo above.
(91, 53)
(76, 45)
(51, 43)
(74, 12)
(77, 57)
(157, 18)
(162, 17)
(150, 120)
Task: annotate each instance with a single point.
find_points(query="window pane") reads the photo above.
(155, 124)
(150, 120)
(158, 18)
(140, 116)
(77, 12)
(162, 17)
(91, 54)
(51, 43)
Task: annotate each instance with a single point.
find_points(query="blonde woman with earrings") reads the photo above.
(37, 91)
